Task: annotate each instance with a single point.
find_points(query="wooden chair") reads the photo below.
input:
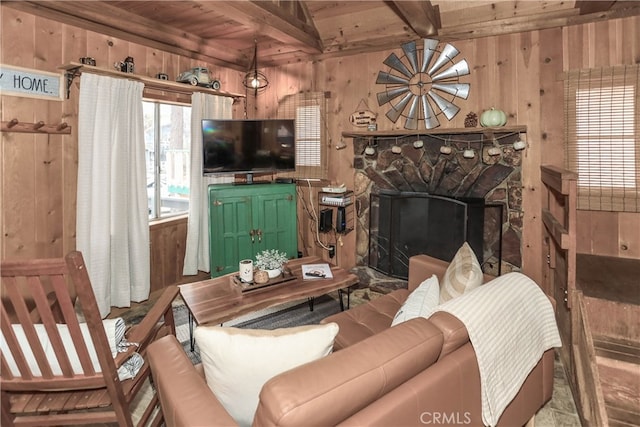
(62, 386)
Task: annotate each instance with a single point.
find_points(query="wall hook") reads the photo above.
(14, 125)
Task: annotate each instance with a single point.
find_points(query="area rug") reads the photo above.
(296, 315)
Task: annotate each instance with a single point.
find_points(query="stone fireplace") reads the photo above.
(492, 174)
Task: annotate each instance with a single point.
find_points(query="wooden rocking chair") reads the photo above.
(50, 375)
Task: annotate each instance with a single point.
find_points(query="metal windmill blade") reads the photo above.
(448, 109)
(388, 96)
(429, 49)
(396, 63)
(458, 69)
(430, 119)
(389, 79)
(411, 53)
(459, 90)
(396, 110)
(448, 53)
(425, 83)
(412, 116)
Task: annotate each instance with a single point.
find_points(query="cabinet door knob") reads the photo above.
(259, 233)
(252, 233)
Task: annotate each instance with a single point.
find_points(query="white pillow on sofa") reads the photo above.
(463, 274)
(237, 362)
(421, 302)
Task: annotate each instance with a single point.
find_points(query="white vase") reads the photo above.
(274, 273)
(246, 270)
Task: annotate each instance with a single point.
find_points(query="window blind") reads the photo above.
(309, 109)
(601, 136)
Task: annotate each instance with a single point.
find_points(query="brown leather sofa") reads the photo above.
(420, 372)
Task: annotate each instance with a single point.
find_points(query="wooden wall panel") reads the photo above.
(517, 73)
(609, 233)
(529, 107)
(74, 42)
(514, 72)
(39, 172)
(168, 243)
(551, 136)
(613, 319)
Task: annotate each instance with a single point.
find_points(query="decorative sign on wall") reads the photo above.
(18, 81)
(363, 116)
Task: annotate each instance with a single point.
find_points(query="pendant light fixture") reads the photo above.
(255, 80)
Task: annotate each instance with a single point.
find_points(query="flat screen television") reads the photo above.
(248, 146)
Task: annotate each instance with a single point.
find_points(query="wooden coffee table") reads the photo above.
(220, 299)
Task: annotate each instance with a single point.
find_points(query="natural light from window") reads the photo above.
(167, 138)
(308, 136)
(606, 153)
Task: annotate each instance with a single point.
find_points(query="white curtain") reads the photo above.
(203, 106)
(112, 212)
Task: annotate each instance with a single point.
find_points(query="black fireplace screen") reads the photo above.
(403, 224)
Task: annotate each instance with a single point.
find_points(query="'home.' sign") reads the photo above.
(19, 81)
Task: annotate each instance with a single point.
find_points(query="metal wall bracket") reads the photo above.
(71, 74)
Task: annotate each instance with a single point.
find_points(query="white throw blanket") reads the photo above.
(511, 323)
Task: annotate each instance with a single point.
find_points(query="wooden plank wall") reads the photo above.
(600, 45)
(39, 172)
(516, 73)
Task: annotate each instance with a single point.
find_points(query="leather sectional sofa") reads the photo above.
(420, 372)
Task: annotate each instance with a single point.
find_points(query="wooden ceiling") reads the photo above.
(224, 32)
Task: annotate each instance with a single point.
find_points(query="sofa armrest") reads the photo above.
(421, 267)
(185, 398)
(454, 332)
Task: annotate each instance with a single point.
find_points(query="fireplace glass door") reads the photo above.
(403, 224)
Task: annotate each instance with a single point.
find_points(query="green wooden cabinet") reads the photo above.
(246, 219)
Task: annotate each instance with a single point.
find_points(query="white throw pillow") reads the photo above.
(237, 362)
(113, 328)
(462, 275)
(421, 302)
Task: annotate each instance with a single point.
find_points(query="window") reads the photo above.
(308, 139)
(309, 109)
(167, 138)
(602, 145)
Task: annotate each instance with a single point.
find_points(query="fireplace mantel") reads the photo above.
(487, 131)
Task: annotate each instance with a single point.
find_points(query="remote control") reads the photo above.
(316, 274)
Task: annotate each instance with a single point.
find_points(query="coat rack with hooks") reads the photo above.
(14, 125)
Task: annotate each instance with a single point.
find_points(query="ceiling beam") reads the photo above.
(593, 6)
(421, 16)
(268, 19)
(101, 17)
(524, 24)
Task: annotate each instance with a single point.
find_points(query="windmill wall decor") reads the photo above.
(426, 88)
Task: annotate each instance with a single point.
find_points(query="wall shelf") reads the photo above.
(74, 69)
(342, 210)
(487, 131)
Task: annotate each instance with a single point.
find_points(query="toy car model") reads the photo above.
(198, 76)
